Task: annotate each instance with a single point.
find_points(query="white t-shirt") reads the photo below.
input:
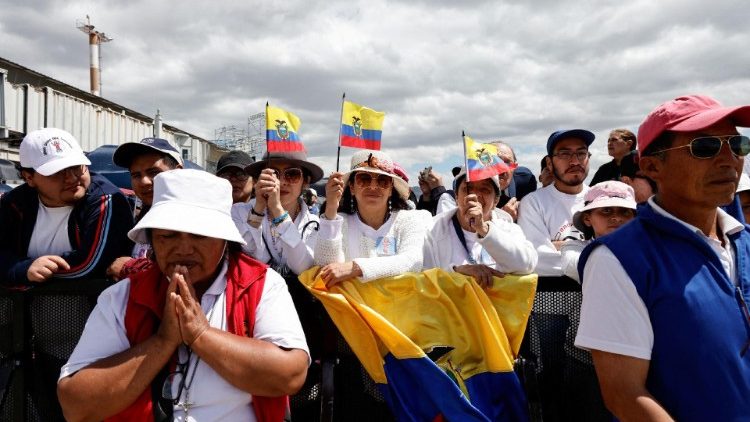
(614, 318)
(546, 215)
(213, 398)
(50, 235)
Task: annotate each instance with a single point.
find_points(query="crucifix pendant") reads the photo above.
(187, 404)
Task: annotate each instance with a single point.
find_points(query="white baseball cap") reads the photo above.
(50, 150)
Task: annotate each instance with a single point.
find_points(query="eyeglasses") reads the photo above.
(290, 175)
(176, 378)
(709, 146)
(568, 155)
(234, 174)
(364, 180)
(75, 171)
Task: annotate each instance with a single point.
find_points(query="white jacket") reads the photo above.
(505, 243)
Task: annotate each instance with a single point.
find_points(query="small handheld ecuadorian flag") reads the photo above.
(282, 130)
(482, 161)
(361, 127)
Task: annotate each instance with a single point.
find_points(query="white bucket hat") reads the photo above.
(50, 150)
(190, 201)
(379, 163)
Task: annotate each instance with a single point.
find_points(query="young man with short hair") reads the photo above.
(546, 215)
(64, 222)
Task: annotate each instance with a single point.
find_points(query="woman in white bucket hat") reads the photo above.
(367, 231)
(206, 333)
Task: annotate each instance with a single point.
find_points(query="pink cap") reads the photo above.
(605, 194)
(688, 114)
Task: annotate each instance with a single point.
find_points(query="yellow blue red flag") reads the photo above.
(361, 127)
(482, 161)
(439, 346)
(282, 130)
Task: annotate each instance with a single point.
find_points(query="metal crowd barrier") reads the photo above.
(40, 327)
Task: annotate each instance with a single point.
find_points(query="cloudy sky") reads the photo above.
(515, 70)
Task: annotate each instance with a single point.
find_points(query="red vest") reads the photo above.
(148, 292)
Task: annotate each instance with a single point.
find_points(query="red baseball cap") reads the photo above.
(688, 114)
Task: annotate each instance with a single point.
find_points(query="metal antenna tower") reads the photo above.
(95, 38)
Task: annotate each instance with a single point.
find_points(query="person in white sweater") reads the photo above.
(473, 241)
(608, 205)
(546, 215)
(277, 225)
(367, 232)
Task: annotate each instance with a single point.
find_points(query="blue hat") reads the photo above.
(582, 134)
(126, 153)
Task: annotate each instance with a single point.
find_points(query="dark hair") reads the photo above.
(544, 162)
(629, 168)
(345, 206)
(169, 161)
(627, 136)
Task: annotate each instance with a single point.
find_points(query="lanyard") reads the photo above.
(462, 238)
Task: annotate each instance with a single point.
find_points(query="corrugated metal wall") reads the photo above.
(92, 124)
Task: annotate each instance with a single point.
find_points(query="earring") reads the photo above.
(390, 207)
(353, 204)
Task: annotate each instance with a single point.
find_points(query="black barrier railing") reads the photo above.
(40, 327)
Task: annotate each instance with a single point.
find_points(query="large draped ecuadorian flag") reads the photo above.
(361, 127)
(440, 347)
(482, 161)
(282, 130)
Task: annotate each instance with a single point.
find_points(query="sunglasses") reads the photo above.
(234, 174)
(364, 180)
(290, 175)
(709, 146)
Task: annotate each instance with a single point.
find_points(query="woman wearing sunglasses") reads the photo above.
(277, 224)
(367, 231)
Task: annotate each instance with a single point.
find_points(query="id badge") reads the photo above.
(385, 246)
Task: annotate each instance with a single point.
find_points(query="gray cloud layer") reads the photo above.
(516, 70)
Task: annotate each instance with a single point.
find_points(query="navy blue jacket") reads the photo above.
(97, 229)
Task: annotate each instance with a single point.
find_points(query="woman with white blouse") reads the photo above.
(367, 231)
(473, 240)
(277, 225)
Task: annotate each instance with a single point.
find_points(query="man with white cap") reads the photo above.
(665, 296)
(63, 222)
(206, 333)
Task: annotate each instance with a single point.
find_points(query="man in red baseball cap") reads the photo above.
(664, 297)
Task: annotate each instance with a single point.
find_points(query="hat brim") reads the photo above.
(609, 202)
(52, 167)
(586, 136)
(740, 116)
(398, 183)
(316, 173)
(231, 165)
(187, 218)
(126, 153)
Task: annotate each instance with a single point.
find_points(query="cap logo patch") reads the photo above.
(55, 142)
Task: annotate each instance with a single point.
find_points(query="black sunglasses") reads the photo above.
(176, 378)
(709, 146)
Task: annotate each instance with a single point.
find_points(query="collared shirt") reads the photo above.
(614, 317)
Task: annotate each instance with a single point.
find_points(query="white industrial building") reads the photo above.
(30, 101)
